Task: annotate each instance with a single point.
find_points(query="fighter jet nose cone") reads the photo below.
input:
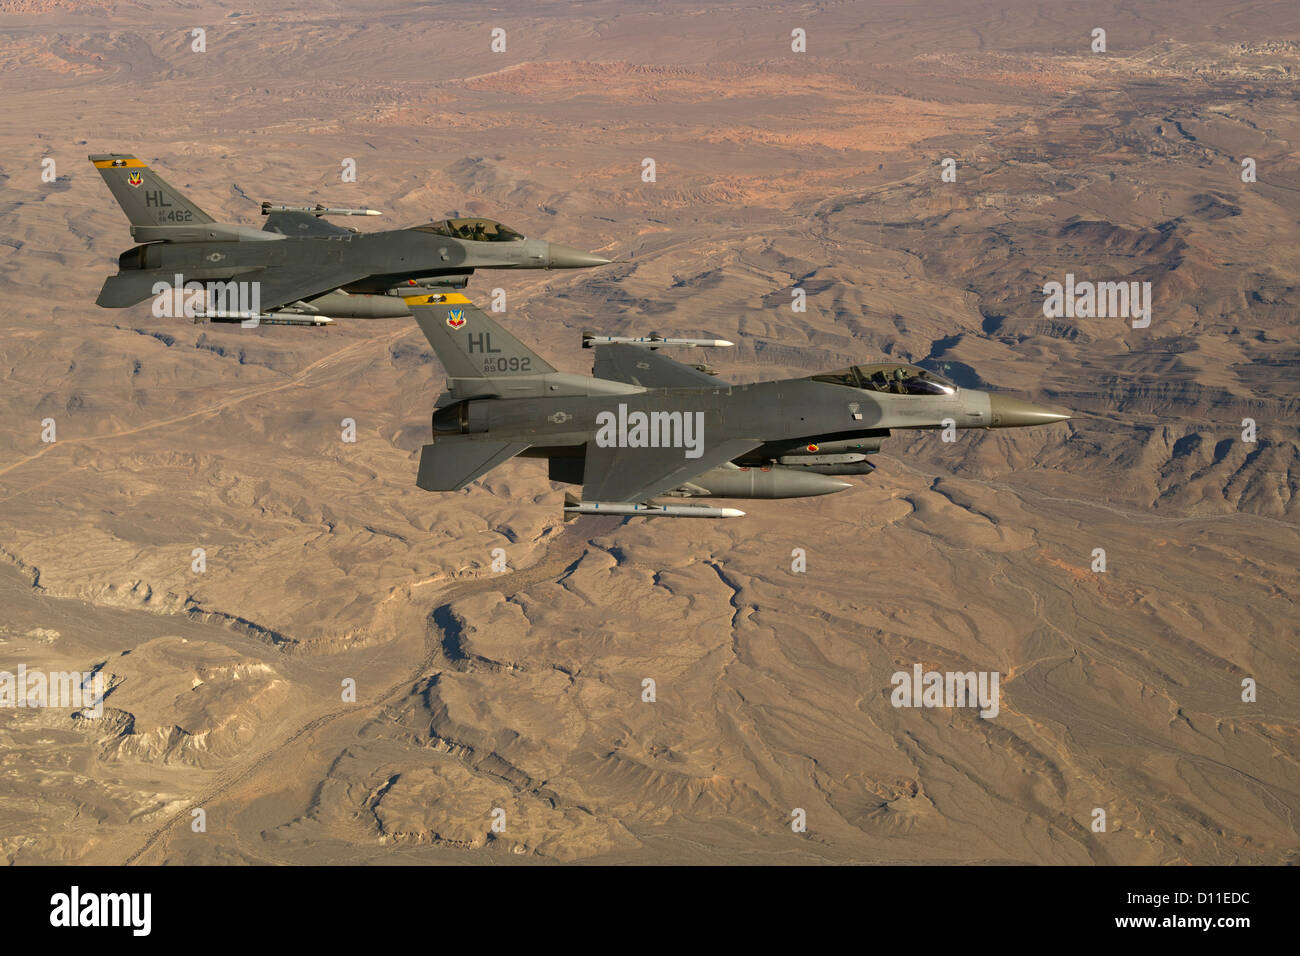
(1007, 412)
(566, 257)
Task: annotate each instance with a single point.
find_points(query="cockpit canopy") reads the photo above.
(885, 377)
(476, 230)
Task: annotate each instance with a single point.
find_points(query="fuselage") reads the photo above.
(385, 258)
(777, 413)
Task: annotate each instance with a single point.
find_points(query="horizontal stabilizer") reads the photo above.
(452, 463)
(126, 289)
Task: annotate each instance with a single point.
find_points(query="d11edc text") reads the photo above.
(1164, 899)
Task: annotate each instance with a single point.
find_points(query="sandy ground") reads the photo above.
(523, 692)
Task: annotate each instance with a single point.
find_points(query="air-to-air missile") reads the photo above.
(644, 426)
(298, 264)
(573, 506)
(653, 341)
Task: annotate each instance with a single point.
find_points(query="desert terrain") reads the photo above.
(479, 691)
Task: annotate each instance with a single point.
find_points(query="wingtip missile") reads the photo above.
(254, 319)
(318, 210)
(653, 341)
(573, 507)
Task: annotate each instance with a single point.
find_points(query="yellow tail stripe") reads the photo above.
(437, 298)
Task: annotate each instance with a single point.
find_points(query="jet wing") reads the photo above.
(280, 286)
(302, 224)
(136, 285)
(636, 365)
(638, 474)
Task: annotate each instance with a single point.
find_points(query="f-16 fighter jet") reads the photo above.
(300, 268)
(645, 426)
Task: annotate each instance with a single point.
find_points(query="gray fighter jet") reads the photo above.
(302, 269)
(645, 426)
